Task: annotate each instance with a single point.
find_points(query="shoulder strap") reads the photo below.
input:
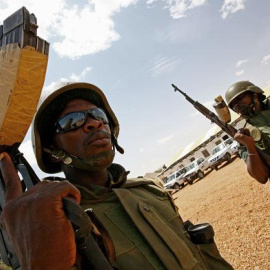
(84, 238)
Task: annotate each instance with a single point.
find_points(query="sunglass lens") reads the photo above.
(100, 115)
(71, 121)
(77, 119)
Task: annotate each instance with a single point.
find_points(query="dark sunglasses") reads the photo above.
(238, 99)
(76, 120)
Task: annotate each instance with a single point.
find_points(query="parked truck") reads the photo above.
(223, 152)
(196, 170)
(175, 180)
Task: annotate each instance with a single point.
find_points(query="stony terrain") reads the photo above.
(238, 208)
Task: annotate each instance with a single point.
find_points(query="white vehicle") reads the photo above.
(175, 180)
(223, 152)
(196, 170)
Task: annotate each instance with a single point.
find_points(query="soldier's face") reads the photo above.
(93, 138)
(241, 102)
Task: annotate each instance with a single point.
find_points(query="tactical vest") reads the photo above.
(141, 229)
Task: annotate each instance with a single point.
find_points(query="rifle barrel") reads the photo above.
(184, 94)
(205, 111)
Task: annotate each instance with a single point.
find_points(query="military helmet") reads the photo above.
(240, 87)
(43, 128)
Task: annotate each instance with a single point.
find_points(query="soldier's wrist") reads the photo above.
(252, 154)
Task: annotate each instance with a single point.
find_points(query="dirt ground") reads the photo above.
(237, 207)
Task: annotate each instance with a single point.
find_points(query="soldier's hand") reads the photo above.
(40, 233)
(243, 137)
(232, 129)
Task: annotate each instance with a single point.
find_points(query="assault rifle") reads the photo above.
(23, 64)
(207, 113)
(223, 119)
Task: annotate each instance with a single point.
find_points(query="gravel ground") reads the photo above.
(237, 207)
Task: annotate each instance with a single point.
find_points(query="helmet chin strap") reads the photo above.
(116, 145)
(92, 163)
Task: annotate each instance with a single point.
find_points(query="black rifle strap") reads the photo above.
(83, 233)
(80, 221)
(29, 176)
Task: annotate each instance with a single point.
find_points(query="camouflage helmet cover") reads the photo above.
(240, 87)
(49, 110)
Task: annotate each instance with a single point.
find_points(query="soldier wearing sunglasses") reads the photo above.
(135, 222)
(248, 100)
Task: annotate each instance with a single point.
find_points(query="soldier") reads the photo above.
(135, 223)
(248, 100)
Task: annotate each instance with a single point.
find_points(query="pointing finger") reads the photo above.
(11, 178)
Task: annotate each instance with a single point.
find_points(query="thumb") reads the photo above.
(10, 176)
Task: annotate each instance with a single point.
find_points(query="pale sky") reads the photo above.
(135, 49)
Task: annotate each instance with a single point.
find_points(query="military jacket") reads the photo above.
(141, 228)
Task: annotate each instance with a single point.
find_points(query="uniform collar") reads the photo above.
(117, 177)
